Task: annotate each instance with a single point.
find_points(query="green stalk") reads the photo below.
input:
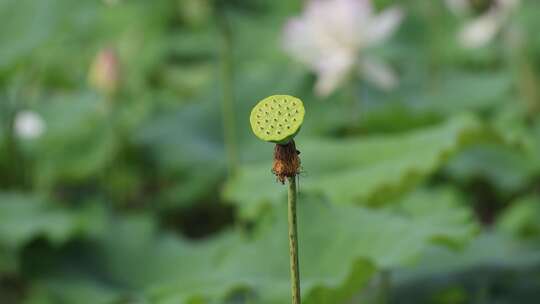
(385, 286)
(519, 59)
(527, 84)
(107, 174)
(293, 242)
(227, 100)
(15, 162)
(352, 96)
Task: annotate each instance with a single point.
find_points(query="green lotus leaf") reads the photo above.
(368, 170)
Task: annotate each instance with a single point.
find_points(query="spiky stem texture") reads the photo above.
(293, 242)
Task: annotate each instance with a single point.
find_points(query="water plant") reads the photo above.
(278, 119)
(331, 38)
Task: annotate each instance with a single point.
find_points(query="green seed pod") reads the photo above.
(277, 118)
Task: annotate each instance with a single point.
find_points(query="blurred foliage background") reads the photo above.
(129, 174)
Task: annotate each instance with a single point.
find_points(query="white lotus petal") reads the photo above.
(383, 25)
(481, 30)
(339, 11)
(332, 72)
(330, 34)
(300, 43)
(338, 22)
(28, 125)
(378, 73)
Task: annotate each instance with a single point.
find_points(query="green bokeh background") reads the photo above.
(429, 193)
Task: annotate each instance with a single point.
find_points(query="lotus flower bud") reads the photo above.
(105, 72)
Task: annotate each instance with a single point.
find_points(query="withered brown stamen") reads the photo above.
(286, 161)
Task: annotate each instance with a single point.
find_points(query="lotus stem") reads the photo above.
(293, 241)
(277, 119)
(227, 99)
(385, 286)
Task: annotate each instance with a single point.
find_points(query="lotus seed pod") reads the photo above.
(277, 118)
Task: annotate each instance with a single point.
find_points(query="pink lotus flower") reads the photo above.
(481, 30)
(104, 73)
(330, 35)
